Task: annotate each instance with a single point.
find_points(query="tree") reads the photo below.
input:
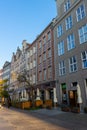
(23, 77)
(3, 89)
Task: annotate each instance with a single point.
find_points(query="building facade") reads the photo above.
(18, 65)
(32, 68)
(6, 73)
(70, 40)
(45, 65)
(1, 72)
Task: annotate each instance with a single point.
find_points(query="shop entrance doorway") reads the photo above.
(73, 98)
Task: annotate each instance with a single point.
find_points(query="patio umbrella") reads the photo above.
(79, 98)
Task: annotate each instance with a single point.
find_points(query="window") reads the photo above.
(44, 65)
(80, 13)
(44, 74)
(67, 5)
(49, 72)
(30, 79)
(49, 62)
(30, 52)
(64, 94)
(49, 36)
(40, 59)
(49, 53)
(62, 68)
(69, 22)
(84, 59)
(34, 49)
(40, 76)
(31, 65)
(74, 84)
(40, 67)
(34, 78)
(40, 44)
(71, 41)
(59, 30)
(44, 39)
(73, 64)
(44, 56)
(34, 63)
(44, 47)
(83, 34)
(61, 48)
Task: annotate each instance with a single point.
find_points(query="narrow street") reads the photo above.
(16, 119)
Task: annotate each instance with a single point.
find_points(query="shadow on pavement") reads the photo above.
(68, 120)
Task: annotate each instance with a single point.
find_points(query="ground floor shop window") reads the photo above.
(51, 94)
(42, 95)
(73, 98)
(64, 94)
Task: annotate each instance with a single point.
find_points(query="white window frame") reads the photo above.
(31, 65)
(69, 22)
(83, 34)
(61, 48)
(44, 40)
(59, 30)
(34, 49)
(44, 56)
(49, 53)
(30, 52)
(40, 76)
(49, 72)
(71, 41)
(34, 63)
(44, 74)
(79, 15)
(40, 44)
(34, 78)
(49, 35)
(62, 68)
(67, 6)
(84, 60)
(73, 65)
(40, 59)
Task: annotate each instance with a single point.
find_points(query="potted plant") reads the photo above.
(76, 110)
(65, 107)
(85, 109)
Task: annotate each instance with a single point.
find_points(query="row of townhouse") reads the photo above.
(38, 60)
(56, 61)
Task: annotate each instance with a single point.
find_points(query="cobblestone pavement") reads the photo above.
(43, 119)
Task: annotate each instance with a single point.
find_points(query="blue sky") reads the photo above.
(22, 20)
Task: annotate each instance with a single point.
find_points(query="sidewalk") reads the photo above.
(55, 117)
(49, 112)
